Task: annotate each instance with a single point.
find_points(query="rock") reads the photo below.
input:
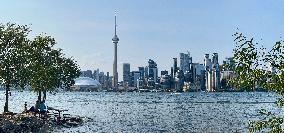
(28, 123)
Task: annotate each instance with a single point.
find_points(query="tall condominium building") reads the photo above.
(165, 72)
(126, 73)
(212, 72)
(107, 81)
(215, 58)
(185, 61)
(96, 74)
(175, 68)
(142, 72)
(135, 78)
(153, 70)
(216, 72)
(179, 81)
(146, 72)
(101, 78)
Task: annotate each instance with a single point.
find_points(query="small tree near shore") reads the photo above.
(13, 43)
(35, 63)
(50, 69)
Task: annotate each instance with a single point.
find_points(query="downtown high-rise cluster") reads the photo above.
(187, 76)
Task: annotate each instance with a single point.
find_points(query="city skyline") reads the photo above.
(157, 30)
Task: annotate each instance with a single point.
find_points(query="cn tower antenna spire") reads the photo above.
(115, 23)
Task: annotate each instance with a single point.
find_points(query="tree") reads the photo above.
(32, 62)
(13, 43)
(248, 64)
(50, 69)
(252, 71)
(70, 70)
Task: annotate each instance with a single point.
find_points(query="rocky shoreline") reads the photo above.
(28, 123)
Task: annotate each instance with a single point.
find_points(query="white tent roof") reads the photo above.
(86, 81)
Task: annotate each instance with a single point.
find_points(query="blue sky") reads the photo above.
(156, 29)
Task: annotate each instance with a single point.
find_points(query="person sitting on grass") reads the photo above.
(32, 109)
(42, 108)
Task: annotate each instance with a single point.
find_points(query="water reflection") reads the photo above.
(155, 112)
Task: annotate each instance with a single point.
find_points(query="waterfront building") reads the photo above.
(165, 82)
(165, 72)
(203, 80)
(188, 77)
(126, 74)
(212, 72)
(140, 83)
(107, 81)
(197, 71)
(136, 77)
(146, 72)
(153, 70)
(175, 68)
(172, 72)
(86, 84)
(96, 74)
(185, 61)
(102, 78)
(115, 40)
(197, 75)
(151, 83)
(142, 72)
(179, 81)
(216, 72)
(87, 73)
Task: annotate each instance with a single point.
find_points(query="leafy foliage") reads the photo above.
(252, 72)
(35, 62)
(13, 40)
(12, 53)
(249, 62)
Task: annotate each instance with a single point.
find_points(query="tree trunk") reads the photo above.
(39, 96)
(44, 95)
(7, 98)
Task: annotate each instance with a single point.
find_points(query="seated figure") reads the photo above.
(42, 108)
(32, 109)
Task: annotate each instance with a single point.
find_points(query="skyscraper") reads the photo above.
(146, 72)
(185, 61)
(96, 74)
(215, 58)
(175, 69)
(142, 72)
(212, 72)
(115, 40)
(216, 72)
(126, 73)
(135, 75)
(153, 70)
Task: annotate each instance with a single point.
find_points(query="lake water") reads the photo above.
(155, 112)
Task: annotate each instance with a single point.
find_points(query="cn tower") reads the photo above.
(115, 40)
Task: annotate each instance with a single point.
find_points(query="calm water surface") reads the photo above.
(155, 112)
